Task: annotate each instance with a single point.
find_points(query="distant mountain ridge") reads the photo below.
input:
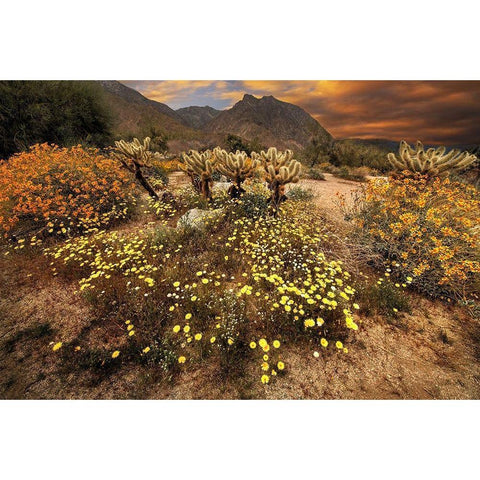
(271, 121)
(136, 115)
(133, 96)
(198, 117)
(266, 120)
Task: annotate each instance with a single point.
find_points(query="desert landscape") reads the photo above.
(243, 253)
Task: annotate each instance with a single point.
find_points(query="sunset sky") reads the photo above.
(433, 111)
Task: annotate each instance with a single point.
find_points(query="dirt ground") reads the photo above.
(432, 353)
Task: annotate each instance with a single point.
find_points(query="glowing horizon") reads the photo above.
(432, 111)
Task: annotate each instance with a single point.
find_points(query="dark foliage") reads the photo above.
(62, 112)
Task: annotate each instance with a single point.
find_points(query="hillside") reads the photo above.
(137, 115)
(270, 121)
(197, 117)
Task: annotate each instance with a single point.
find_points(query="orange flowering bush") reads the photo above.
(429, 229)
(169, 165)
(53, 190)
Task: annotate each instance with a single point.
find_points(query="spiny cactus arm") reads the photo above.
(197, 163)
(458, 162)
(135, 151)
(395, 163)
(237, 166)
(133, 156)
(200, 165)
(289, 174)
(408, 157)
(188, 164)
(452, 155)
(433, 161)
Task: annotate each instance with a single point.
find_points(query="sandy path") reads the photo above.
(325, 192)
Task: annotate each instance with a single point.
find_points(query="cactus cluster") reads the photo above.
(136, 151)
(431, 162)
(237, 167)
(134, 156)
(200, 166)
(280, 169)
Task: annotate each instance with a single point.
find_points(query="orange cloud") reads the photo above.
(434, 111)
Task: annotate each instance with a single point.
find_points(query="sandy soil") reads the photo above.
(432, 353)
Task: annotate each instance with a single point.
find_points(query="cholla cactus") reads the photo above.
(431, 162)
(280, 169)
(134, 156)
(237, 167)
(201, 166)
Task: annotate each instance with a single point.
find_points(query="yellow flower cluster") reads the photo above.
(265, 277)
(270, 362)
(104, 254)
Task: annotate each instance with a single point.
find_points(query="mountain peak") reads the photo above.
(247, 97)
(269, 120)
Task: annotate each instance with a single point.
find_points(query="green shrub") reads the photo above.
(62, 112)
(352, 153)
(250, 205)
(315, 174)
(299, 194)
(382, 298)
(328, 168)
(354, 174)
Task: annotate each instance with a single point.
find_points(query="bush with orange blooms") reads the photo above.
(428, 228)
(50, 190)
(169, 165)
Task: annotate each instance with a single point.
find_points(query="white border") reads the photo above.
(152, 40)
(255, 40)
